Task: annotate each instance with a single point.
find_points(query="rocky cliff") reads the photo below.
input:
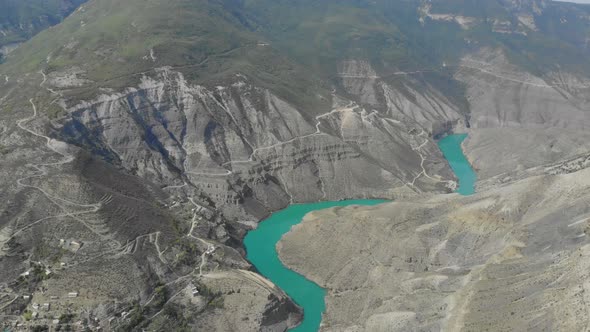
(238, 143)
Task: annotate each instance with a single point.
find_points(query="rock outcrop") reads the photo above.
(239, 143)
(403, 96)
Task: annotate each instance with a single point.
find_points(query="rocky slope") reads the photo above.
(403, 96)
(503, 95)
(122, 195)
(521, 149)
(510, 258)
(246, 151)
(131, 252)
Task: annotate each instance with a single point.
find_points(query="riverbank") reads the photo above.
(261, 251)
(264, 246)
(451, 148)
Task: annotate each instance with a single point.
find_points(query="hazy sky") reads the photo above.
(577, 1)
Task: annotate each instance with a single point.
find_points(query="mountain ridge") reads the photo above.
(20, 20)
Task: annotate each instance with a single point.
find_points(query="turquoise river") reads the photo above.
(261, 243)
(451, 149)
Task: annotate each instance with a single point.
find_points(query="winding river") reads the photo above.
(450, 146)
(261, 242)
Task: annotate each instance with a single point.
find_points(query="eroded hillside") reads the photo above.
(513, 257)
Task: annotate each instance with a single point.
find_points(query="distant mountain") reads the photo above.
(22, 19)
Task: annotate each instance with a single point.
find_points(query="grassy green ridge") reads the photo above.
(112, 40)
(212, 40)
(320, 33)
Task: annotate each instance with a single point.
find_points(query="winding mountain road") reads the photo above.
(61, 149)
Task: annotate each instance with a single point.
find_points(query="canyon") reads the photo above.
(141, 142)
